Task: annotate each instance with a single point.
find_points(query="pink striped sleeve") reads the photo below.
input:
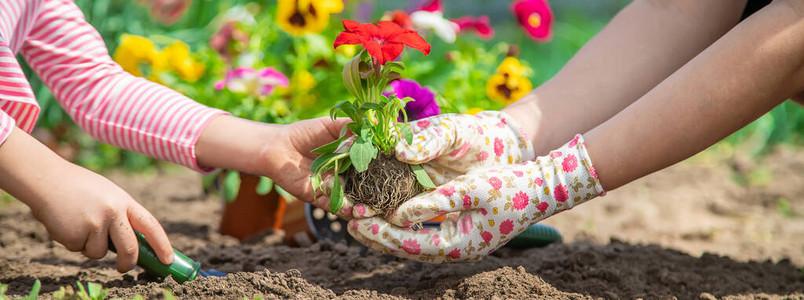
(6, 126)
(110, 104)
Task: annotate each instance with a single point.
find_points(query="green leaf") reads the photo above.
(330, 147)
(265, 185)
(351, 76)
(320, 161)
(422, 177)
(96, 291)
(333, 112)
(283, 193)
(34, 294)
(362, 152)
(345, 164)
(407, 134)
(208, 180)
(168, 295)
(315, 182)
(336, 197)
(231, 185)
(371, 105)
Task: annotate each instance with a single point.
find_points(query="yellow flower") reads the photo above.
(177, 58)
(347, 50)
(511, 66)
(135, 51)
(507, 89)
(473, 111)
(298, 17)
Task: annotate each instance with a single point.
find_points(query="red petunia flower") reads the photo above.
(384, 41)
(400, 17)
(480, 25)
(536, 17)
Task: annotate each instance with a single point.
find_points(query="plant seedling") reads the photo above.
(373, 175)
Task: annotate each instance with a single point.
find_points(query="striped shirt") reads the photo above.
(113, 106)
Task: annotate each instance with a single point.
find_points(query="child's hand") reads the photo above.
(485, 208)
(80, 209)
(83, 210)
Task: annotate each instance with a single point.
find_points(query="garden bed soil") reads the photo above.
(704, 229)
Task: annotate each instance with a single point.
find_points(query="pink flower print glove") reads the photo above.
(453, 144)
(485, 208)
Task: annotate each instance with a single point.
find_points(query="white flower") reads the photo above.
(434, 21)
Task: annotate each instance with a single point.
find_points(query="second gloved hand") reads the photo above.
(485, 208)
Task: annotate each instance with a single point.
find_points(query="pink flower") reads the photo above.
(538, 181)
(483, 211)
(520, 200)
(375, 229)
(518, 173)
(436, 239)
(455, 253)
(561, 193)
(411, 246)
(570, 163)
(506, 226)
(432, 6)
(460, 152)
(555, 154)
(466, 224)
(592, 172)
(447, 190)
(256, 83)
(482, 156)
(361, 210)
(498, 147)
(422, 124)
(574, 141)
(536, 18)
(479, 25)
(543, 206)
(467, 202)
(486, 236)
(495, 183)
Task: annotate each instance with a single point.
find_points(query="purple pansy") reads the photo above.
(423, 104)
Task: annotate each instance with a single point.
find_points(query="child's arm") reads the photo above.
(646, 42)
(113, 106)
(80, 209)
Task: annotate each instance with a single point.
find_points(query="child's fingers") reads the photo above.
(97, 242)
(145, 223)
(125, 242)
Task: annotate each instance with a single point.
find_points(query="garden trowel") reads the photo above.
(182, 269)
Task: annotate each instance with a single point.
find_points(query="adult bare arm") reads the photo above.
(753, 68)
(646, 42)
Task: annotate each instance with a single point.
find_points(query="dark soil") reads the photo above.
(384, 185)
(665, 236)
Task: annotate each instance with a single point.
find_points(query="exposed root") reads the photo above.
(384, 185)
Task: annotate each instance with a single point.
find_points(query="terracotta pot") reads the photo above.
(251, 213)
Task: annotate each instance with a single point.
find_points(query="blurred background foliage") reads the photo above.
(456, 71)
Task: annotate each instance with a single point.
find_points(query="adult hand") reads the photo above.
(485, 208)
(450, 145)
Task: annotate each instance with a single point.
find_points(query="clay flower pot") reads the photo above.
(251, 213)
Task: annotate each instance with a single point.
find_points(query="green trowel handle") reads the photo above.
(182, 269)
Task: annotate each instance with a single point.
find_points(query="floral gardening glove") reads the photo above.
(450, 145)
(486, 207)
